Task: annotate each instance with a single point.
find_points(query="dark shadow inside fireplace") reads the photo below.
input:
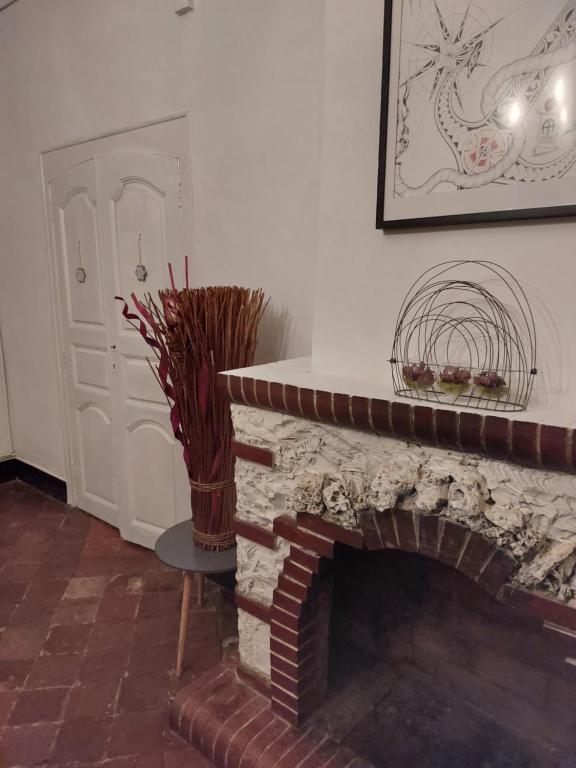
(428, 671)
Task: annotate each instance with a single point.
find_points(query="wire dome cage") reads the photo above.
(458, 342)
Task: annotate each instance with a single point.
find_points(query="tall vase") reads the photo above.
(196, 333)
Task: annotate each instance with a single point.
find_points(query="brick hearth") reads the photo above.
(235, 727)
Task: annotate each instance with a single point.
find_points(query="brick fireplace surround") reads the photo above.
(288, 544)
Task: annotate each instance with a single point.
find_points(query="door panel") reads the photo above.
(90, 367)
(140, 194)
(73, 212)
(151, 490)
(95, 436)
(140, 385)
(139, 219)
(77, 225)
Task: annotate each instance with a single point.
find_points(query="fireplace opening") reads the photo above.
(427, 669)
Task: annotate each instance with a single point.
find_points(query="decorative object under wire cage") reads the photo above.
(458, 342)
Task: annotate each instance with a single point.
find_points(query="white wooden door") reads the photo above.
(88, 366)
(140, 217)
(116, 203)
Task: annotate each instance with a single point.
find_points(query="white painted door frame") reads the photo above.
(56, 292)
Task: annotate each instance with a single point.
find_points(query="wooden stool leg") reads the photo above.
(201, 580)
(184, 613)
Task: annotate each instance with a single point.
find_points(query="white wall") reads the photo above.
(250, 73)
(363, 273)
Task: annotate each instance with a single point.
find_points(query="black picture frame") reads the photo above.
(496, 216)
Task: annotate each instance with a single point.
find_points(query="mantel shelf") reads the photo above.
(539, 437)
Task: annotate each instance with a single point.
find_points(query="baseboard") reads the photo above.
(14, 469)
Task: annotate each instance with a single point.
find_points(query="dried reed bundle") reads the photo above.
(196, 333)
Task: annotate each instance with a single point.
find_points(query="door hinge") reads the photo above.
(64, 360)
(180, 195)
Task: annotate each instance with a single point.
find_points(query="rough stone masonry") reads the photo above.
(339, 473)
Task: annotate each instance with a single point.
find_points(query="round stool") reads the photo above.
(176, 548)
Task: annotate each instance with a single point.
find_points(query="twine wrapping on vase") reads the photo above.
(213, 513)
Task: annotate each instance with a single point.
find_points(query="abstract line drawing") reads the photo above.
(484, 98)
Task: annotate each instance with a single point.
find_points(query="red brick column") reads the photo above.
(299, 632)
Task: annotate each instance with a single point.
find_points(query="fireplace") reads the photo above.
(425, 668)
(442, 542)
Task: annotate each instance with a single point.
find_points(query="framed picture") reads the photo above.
(478, 111)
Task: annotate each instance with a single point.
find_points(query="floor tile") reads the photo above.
(92, 700)
(6, 613)
(85, 586)
(162, 581)
(22, 642)
(145, 692)
(44, 705)
(107, 634)
(88, 636)
(159, 657)
(83, 740)
(159, 604)
(103, 665)
(124, 584)
(137, 761)
(118, 607)
(65, 551)
(18, 572)
(29, 551)
(111, 566)
(185, 758)
(67, 638)
(7, 702)
(77, 520)
(27, 745)
(49, 506)
(49, 671)
(12, 592)
(137, 734)
(32, 612)
(70, 534)
(56, 568)
(14, 673)
(81, 611)
(46, 590)
(156, 630)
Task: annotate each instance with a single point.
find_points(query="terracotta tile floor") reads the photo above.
(88, 628)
